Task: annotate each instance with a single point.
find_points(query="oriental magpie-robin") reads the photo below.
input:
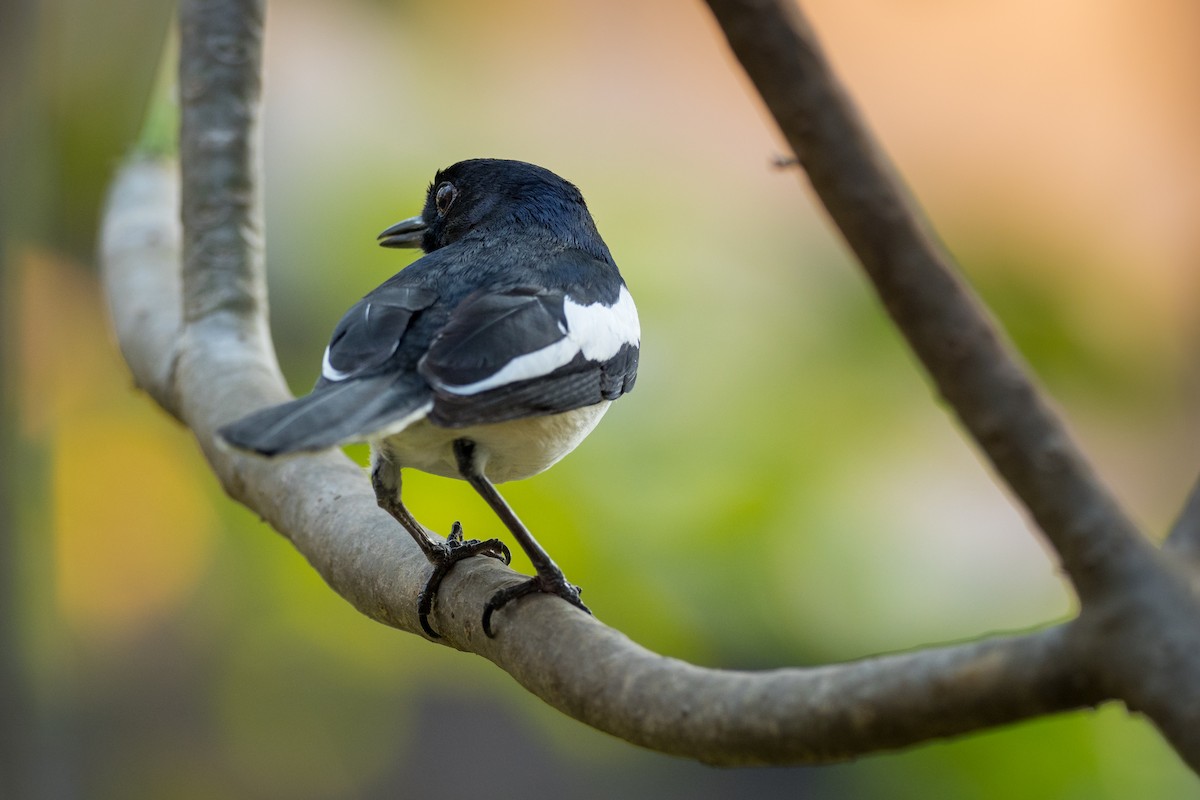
(488, 359)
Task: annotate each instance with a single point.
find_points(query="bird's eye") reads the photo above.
(444, 197)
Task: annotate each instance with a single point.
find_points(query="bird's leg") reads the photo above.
(549, 578)
(385, 479)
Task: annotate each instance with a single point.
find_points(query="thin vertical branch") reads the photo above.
(224, 292)
(221, 206)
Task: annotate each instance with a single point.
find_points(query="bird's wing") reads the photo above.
(357, 395)
(527, 352)
(369, 334)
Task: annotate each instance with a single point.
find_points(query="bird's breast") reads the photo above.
(505, 451)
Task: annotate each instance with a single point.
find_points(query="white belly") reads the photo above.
(506, 451)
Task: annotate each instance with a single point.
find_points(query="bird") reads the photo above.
(487, 359)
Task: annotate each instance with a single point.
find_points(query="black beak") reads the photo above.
(405, 233)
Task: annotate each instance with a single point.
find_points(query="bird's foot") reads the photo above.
(553, 583)
(443, 558)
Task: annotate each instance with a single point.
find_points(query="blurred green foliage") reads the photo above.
(782, 488)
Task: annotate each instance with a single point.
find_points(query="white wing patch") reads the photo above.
(597, 331)
(329, 372)
(601, 331)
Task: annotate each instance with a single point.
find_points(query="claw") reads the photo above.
(454, 550)
(551, 584)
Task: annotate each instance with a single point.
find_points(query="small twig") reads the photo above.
(1184, 537)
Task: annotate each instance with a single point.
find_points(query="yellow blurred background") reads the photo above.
(781, 489)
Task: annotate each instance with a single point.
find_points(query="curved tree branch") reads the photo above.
(325, 507)
(197, 340)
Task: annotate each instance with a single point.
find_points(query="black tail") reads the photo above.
(332, 415)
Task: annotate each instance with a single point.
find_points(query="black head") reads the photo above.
(497, 197)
